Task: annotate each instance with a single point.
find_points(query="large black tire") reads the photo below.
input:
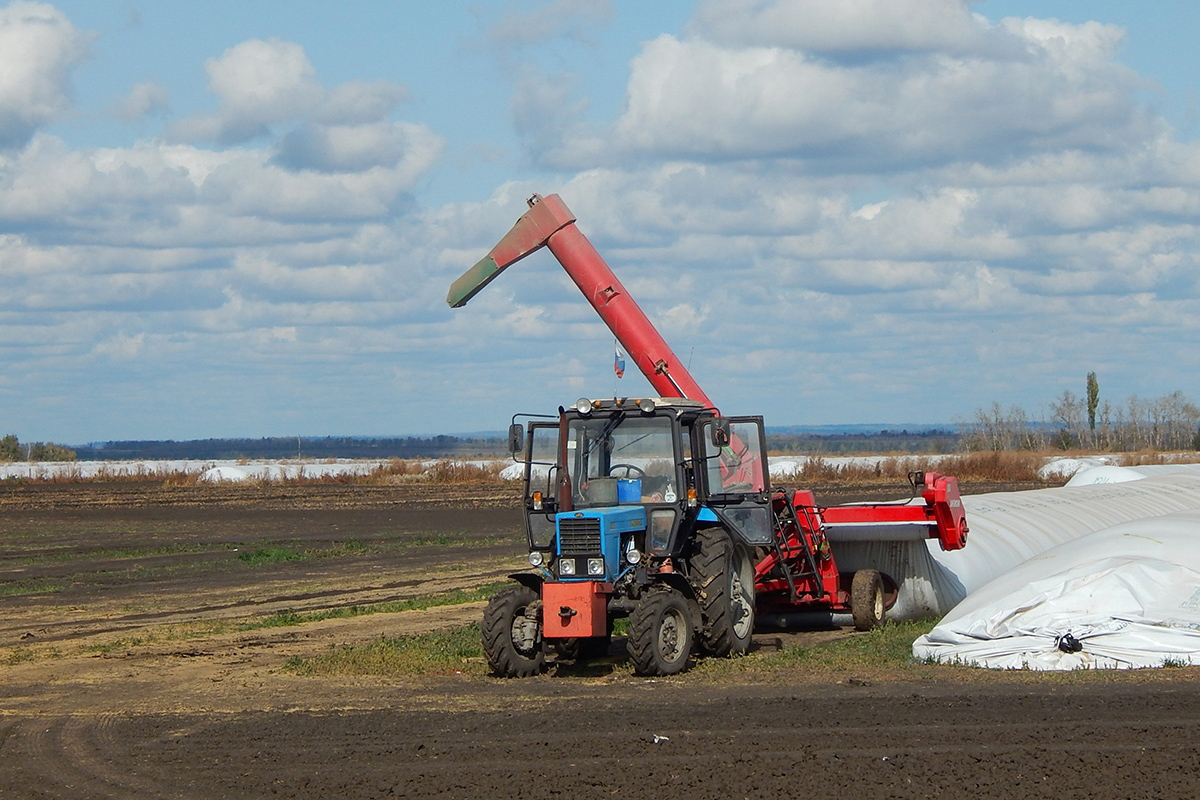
(866, 599)
(660, 633)
(723, 575)
(512, 641)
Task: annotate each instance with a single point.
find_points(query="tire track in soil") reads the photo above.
(75, 757)
(69, 630)
(153, 494)
(714, 741)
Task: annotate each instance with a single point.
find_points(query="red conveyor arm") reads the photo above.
(942, 516)
(549, 223)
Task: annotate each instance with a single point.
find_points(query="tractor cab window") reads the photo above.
(736, 479)
(541, 483)
(738, 467)
(605, 449)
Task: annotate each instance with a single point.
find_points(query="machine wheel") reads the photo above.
(724, 578)
(660, 634)
(866, 599)
(512, 639)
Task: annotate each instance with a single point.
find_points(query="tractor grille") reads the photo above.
(579, 537)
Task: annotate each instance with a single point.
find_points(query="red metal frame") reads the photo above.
(942, 515)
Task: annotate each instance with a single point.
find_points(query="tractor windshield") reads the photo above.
(604, 449)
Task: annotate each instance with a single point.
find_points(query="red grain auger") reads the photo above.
(661, 509)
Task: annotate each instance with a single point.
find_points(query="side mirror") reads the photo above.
(516, 438)
(720, 432)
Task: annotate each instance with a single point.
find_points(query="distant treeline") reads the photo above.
(880, 442)
(291, 447)
(936, 441)
(1163, 424)
(11, 449)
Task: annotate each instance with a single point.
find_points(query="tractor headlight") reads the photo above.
(583, 405)
(632, 556)
(566, 566)
(595, 566)
(536, 558)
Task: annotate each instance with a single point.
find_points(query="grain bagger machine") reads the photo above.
(660, 509)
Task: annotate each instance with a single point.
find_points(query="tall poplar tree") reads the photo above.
(1093, 399)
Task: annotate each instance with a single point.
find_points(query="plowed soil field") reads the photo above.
(134, 664)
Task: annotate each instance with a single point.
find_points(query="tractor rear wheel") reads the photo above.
(866, 599)
(660, 633)
(512, 633)
(723, 574)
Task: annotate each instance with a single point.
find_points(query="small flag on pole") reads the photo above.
(618, 361)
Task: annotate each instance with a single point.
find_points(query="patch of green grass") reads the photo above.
(271, 555)
(114, 553)
(260, 557)
(459, 650)
(19, 655)
(280, 619)
(107, 648)
(170, 633)
(22, 655)
(453, 651)
(456, 539)
(887, 647)
(31, 586)
(451, 598)
(350, 547)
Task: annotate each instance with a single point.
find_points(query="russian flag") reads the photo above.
(618, 362)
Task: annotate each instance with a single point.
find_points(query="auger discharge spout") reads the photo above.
(549, 223)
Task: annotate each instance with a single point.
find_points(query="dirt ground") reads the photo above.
(124, 674)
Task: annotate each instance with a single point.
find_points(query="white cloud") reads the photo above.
(257, 83)
(359, 102)
(186, 263)
(354, 148)
(121, 347)
(144, 99)
(38, 47)
(555, 18)
(755, 80)
(850, 25)
(158, 193)
(326, 282)
(266, 88)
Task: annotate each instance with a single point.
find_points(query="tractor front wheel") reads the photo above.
(660, 633)
(866, 599)
(512, 633)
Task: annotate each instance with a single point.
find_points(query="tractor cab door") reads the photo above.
(541, 483)
(735, 479)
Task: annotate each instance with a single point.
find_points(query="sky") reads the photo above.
(231, 219)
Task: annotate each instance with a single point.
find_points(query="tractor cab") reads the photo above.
(610, 484)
